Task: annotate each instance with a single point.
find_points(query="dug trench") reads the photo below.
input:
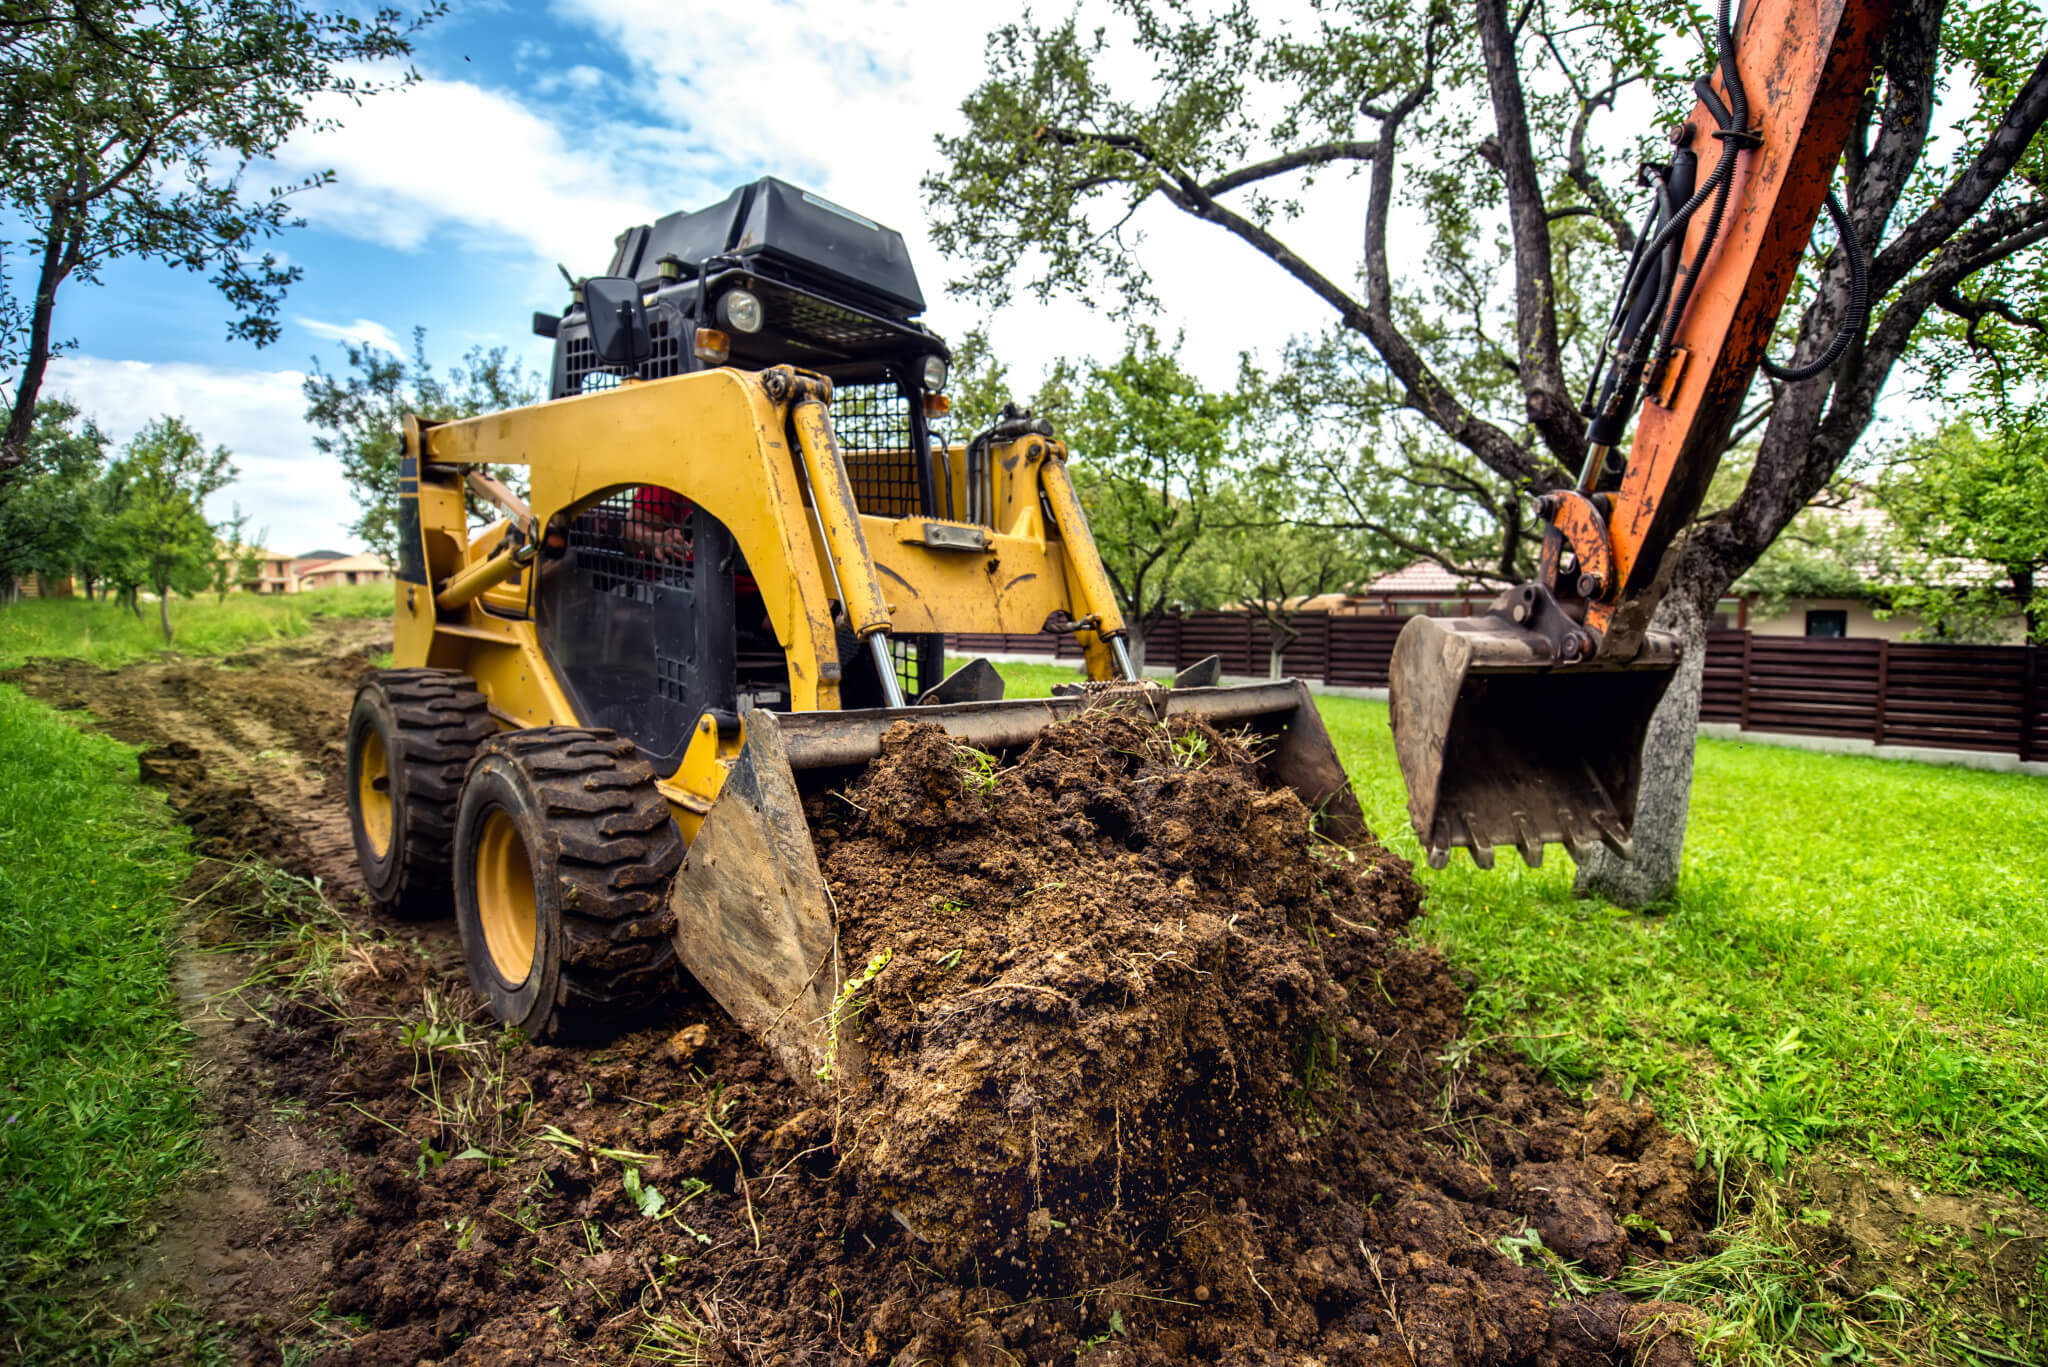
(1152, 1075)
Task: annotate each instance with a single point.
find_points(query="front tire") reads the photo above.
(564, 850)
(411, 735)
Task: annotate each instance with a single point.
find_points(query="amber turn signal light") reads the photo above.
(713, 346)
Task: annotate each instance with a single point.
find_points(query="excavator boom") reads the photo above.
(1525, 726)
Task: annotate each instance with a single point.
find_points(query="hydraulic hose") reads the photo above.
(1859, 303)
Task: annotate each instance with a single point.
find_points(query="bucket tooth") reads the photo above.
(1482, 848)
(1527, 841)
(1613, 834)
(1575, 838)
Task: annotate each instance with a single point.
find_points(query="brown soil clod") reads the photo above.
(1152, 1076)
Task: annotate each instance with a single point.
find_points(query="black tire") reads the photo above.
(424, 725)
(598, 848)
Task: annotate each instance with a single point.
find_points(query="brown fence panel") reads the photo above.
(1814, 688)
(2034, 736)
(1237, 637)
(984, 643)
(1957, 697)
(1721, 688)
(1359, 649)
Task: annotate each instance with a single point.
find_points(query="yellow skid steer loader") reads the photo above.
(744, 539)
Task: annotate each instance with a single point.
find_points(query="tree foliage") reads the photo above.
(1268, 551)
(1487, 135)
(1971, 516)
(46, 509)
(1151, 448)
(358, 416)
(151, 531)
(131, 129)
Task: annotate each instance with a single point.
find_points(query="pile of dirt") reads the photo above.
(1135, 1025)
(1152, 1076)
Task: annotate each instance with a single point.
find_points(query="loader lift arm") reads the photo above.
(1525, 726)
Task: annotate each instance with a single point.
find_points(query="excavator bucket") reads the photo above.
(754, 919)
(1501, 746)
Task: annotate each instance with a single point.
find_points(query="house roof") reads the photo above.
(1421, 577)
(324, 555)
(364, 561)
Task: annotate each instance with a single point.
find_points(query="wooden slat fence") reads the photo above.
(1992, 698)
(1947, 697)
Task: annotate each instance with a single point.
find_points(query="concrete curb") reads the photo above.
(1844, 745)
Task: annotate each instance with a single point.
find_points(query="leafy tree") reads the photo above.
(358, 418)
(238, 563)
(1151, 448)
(979, 388)
(1267, 553)
(155, 534)
(45, 509)
(1971, 516)
(1486, 124)
(130, 128)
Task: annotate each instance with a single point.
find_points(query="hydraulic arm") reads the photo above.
(1525, 726)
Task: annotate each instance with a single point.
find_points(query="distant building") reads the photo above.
(1423, 588)
(274, 574)
(1863, 532)
(313, 559)
(350, 569)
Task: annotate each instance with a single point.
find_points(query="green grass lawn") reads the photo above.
(96, 1118)
(1853, 971)
(72, 628)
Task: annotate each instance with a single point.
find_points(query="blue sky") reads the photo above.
(537, 133)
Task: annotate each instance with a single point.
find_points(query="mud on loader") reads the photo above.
(745, 539)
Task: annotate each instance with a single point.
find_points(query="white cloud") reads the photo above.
(283, 484)
(448, 155)
(361, 330)
(848, 98)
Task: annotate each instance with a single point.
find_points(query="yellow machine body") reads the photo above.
(756, 451)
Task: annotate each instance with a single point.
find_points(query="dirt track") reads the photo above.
(397, 1182)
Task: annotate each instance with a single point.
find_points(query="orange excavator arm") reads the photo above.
(1484, 708)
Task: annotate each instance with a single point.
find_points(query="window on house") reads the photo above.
(1829, 622)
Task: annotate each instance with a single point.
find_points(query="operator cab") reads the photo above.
(772, 275)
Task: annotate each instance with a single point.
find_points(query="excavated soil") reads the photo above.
(1151, 1076)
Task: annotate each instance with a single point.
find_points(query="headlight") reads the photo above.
(741, 310)
(934, 373)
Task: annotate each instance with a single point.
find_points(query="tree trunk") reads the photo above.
(163, 608)
(1134, 642)
(1666, 793)
(55, 266)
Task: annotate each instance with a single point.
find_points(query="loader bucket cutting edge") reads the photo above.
(755, 923)
(1499, 746)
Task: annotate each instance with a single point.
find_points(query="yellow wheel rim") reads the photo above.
(373, 791)
(504, 897)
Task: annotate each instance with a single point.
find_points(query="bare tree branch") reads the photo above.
(1965, 195)
(1290, 161)
(1601, 203)
(1551, 411)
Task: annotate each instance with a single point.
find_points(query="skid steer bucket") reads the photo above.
(1500, 745)
(754, 918)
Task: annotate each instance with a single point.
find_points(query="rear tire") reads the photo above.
(411, 735)
(564, 854)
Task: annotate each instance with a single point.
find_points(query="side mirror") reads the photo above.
(618, 321)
